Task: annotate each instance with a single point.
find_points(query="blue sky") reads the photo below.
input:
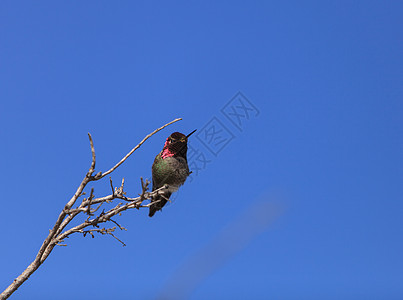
(304, 201)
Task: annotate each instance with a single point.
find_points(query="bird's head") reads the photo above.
(176, 145)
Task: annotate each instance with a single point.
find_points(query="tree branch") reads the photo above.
(135, 148)
(58, 233)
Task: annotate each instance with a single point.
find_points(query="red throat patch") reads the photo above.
(165, 152)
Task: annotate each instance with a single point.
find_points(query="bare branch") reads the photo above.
(92, 168)
(110, 181)
(117, 224)
(135, 148)
(102, 231)
(123, 244)
(67, 207)
(57, 235)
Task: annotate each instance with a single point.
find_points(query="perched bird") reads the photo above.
(170, 168)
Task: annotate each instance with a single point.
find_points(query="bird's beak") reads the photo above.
(191, 133)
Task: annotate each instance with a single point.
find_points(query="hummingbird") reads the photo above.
(170, 168)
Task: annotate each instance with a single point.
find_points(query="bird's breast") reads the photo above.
(170, 170)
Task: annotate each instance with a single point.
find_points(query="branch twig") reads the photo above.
(135, 148)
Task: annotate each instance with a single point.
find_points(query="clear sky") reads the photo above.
(298, 194)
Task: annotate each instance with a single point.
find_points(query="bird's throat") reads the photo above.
(176, 149)
(166, 153)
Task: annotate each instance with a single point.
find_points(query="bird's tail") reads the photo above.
(160, 201)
